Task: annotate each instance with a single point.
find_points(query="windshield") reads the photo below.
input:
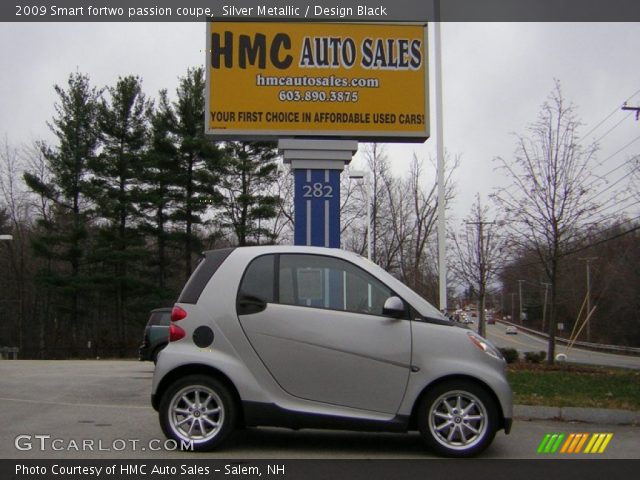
(423, 307)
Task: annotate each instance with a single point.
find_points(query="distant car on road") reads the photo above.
(511, 330)
(156, 334)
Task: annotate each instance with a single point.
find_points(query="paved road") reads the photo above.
(524, 342)
(107, 403)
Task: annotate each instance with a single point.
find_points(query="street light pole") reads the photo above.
(442, 242)
(520, 300)
(513, 308)
(544, 308)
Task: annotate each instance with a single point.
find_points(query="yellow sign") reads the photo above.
(349, 80)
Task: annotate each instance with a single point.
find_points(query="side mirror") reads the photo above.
(393, 307)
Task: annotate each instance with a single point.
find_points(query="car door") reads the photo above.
(316, 323)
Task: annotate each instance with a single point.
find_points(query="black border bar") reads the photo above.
(476, 469)
(325, 10)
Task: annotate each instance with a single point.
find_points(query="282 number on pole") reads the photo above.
(317, 190)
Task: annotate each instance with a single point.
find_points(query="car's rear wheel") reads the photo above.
(457, 418)
(199, 410)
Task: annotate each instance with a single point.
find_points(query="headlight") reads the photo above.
(484, 345)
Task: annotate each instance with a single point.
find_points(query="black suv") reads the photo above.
(156, 334)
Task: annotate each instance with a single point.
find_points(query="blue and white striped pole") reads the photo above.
(317, 165)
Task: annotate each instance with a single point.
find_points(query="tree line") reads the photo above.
(109, 221)
(116, 212)
(557, 255)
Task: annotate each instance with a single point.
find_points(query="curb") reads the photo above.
(577, 414)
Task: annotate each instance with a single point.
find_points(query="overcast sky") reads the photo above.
(496, 76)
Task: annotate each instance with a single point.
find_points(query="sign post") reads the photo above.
(318, 88)
(317, 165)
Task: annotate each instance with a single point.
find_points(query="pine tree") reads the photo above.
(250, 170)
(64, 240)
(122, 122)
(199, 161)
(158, 194)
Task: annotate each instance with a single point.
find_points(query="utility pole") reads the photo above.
(588, 261)
(513, 308)
(520, 300)
(442, 241)
(635, 109)
(544, 308)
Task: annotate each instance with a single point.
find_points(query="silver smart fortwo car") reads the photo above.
(306, 337)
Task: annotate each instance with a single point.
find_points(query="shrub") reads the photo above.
(535, 357)
(510, 354)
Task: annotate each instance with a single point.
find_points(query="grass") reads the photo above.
(571, 385)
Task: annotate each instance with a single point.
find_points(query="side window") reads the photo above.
(258, 279)
(325, 282)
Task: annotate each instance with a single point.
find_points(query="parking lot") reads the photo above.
(100, 409)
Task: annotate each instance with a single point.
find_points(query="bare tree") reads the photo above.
(14, 197)
(404, 217)
(634, 177)
(353, 205)
(281, 226)
(378, 162)
(478, 254)
(547, 202)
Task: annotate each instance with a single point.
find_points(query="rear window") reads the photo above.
(160, 318)
(202, 274)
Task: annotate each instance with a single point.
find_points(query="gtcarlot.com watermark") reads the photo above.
(44, 443)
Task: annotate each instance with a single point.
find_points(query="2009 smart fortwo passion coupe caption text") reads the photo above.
(307, 337)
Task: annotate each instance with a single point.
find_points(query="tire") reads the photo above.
(197, 409)
(457, 418)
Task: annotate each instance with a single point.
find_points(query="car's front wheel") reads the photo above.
(457, 418)
(197, 410)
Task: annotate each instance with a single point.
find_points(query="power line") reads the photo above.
(611, 185)
(613, 128)
(606, 207)
(600, 242)
(623, 148)
(633, 109)
(590, 245)
(602, 177)
(607, 117)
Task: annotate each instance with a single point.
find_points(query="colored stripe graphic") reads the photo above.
(550, 443)
(543, 443)
(568, 442)
(574, 443)
(598, 443)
